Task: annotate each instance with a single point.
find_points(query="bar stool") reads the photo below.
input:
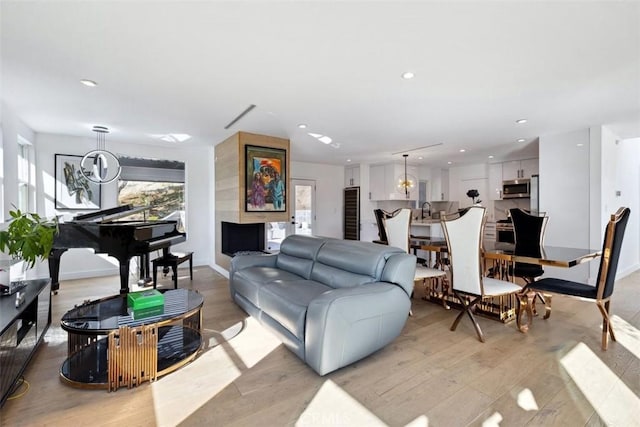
(172, 260)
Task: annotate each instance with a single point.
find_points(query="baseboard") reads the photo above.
(627, 271)
(220, 270)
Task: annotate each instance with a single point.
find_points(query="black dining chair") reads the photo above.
(605, 281)
(529, 237)
(382, 233)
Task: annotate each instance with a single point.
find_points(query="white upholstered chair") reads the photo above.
(464, 237)
(397, 230)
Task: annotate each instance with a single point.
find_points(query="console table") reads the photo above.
(109, 348)
(23, 328)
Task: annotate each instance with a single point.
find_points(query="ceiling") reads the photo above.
(192, 67)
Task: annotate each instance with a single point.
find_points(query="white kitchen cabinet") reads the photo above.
(495, 181)
(377, 182)
(518, 169)
(352, 176)
(529, 167)
(384, 181)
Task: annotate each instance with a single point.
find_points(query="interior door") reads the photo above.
(302, 196)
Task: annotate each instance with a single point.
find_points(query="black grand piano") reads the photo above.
(103, 232)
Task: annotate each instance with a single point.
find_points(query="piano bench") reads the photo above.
(172, 260)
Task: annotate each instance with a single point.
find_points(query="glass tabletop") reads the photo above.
(104, 315)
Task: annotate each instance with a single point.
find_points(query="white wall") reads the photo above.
(621, 187)
(565, 195)
(578, 185)
(329, 197)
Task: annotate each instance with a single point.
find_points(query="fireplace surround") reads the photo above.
(242, 238)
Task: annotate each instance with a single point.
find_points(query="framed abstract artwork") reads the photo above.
(73, 191)
(265, 178)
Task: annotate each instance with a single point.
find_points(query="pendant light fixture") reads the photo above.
(100, 166)
(407, 182)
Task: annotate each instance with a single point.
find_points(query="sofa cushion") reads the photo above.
(344, 263)
(246, 282)
(287, 301)
(297, 254)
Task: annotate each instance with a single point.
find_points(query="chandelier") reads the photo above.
(100, 166)
(406, 182)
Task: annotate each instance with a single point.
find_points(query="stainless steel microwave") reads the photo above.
(516, 189)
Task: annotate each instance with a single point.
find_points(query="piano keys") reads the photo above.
(103, 232)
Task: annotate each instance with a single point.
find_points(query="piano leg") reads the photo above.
(124, 275)
(54, 268)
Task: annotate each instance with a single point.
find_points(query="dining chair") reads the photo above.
(464, 238)
(397, 232)
(382, 234)
(529, 237)
(601, 293)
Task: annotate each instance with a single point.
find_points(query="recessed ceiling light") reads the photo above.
(407, 75)
(491, 157)
(325, 139)
(462, 150)
(419, 157)
(521, 140)
(88, 82)
(448, 163)
(579, 145)
(521, 121)
(348, 160)
(302, 126)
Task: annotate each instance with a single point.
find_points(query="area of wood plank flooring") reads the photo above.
(554, 375)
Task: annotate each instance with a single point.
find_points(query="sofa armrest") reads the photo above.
(254, 260)
(347, 324)
(401, 270)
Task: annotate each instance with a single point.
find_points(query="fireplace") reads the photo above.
(242, 238)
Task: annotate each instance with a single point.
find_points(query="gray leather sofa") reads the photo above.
(330, 301)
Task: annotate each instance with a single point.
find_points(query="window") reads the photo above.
(26, 188)
(158, 184)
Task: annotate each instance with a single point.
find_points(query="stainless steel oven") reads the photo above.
(504, 231)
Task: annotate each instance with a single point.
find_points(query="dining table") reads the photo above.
(497, 257)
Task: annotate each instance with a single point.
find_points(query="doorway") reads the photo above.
(302, 196)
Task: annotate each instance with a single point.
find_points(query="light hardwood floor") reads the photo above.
(429, 376)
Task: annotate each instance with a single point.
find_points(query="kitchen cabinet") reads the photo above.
(495, 181)
(518, 169)
(383, 181)
(352, 176)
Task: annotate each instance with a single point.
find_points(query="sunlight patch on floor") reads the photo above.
(254, 343)
(181, 393)
(527, 401)
(614, 402)
(333, 406)
(493, 421)
(627, 335)
(421, 421)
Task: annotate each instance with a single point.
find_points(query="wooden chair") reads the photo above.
(464, 237)
(601, 293)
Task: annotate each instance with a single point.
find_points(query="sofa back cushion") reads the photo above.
(297, 254)
(347, 263)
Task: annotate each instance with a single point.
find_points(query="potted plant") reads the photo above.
(28, 237)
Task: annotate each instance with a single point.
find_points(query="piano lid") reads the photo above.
(110, 214)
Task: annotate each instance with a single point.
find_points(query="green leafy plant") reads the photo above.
(28, 236)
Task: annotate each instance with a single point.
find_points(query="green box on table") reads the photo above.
(145, 299)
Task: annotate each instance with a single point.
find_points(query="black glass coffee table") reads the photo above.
(109, 348)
